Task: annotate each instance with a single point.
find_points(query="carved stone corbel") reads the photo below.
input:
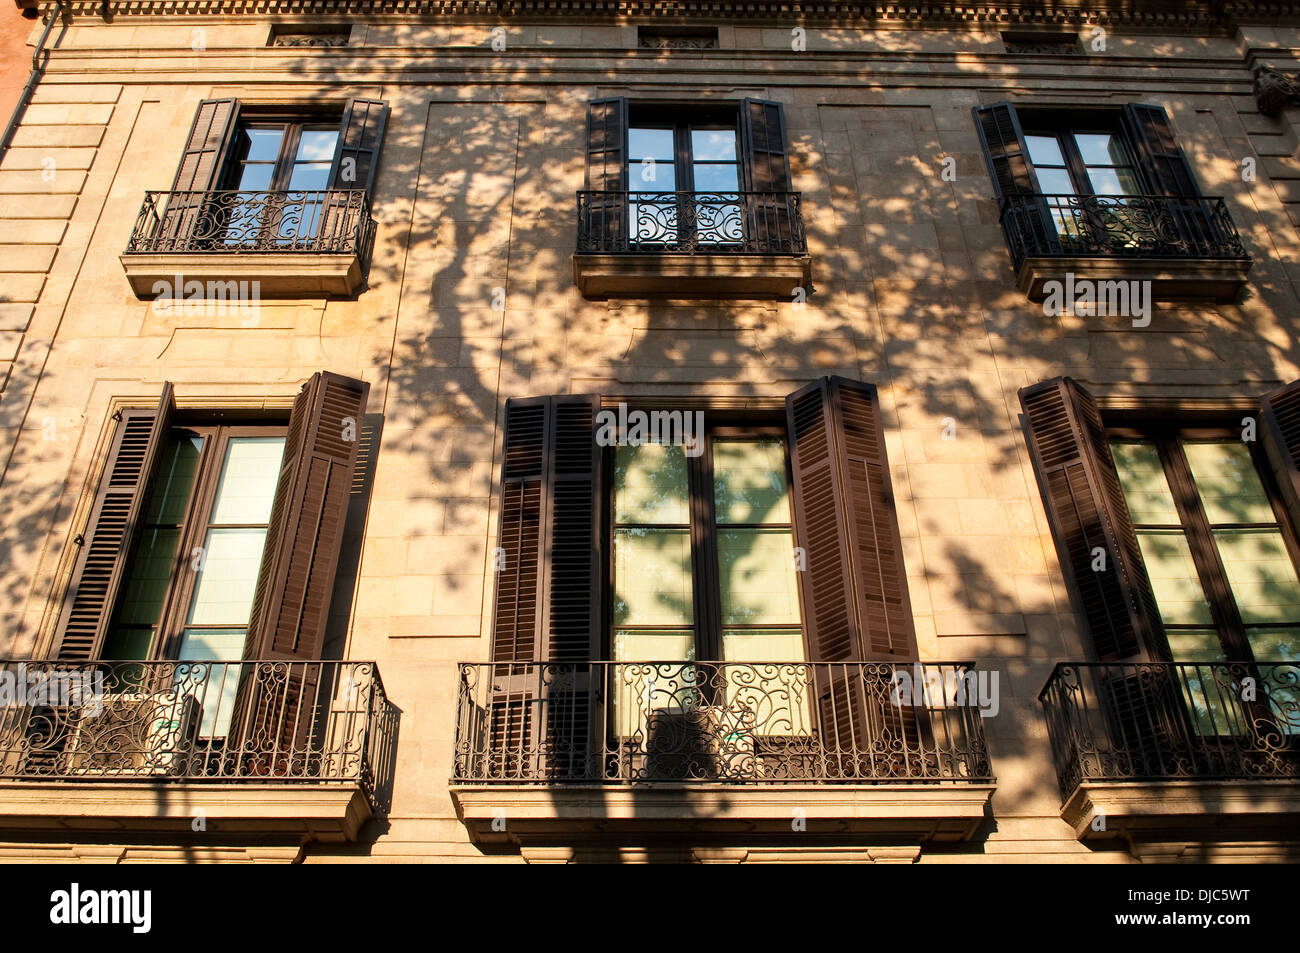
(1274, 91)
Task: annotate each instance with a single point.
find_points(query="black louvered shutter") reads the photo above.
(1024, 212)
(199, 171)
(1085, 503)
(106, 542)
(546, 617)
(1169, 174)
(770, 213)
(295, 581)
(604, 220)
(853, 585)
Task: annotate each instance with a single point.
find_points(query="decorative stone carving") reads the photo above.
(311, 39)
(1275, 91)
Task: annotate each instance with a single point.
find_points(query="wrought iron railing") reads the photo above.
(768, 722)
(691, 223)
(193, 721)
(1173, 720)
(336, 221)
(1119, 226)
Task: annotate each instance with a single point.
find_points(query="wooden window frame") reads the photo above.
(293, 123)
(1165, 433)
(1063, 128)
(166, 640)
(706, 621)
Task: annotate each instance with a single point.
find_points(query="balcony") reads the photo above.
(606, 750)
(1146, 748)
(691, 245)
(294, 244)
(1187, 247)
(289, 749)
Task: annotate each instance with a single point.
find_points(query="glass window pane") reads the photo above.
(770, 700)
(1143, 479)
(1101, 148)
(1227, 482)
(716, 178)
(223, 593)
(1174, 581)
(654, 645)
(248, 478)
(716, 144)
(1044, 150)
(1273, 645)
(147, 577)
(647, 175)
(654, 144)
(652, 577)
(263, 145)
(1112, 182)
(749, 481)
(174, 480)
(317, 145)
(214, 687)
(756, 577)
(255, 178)
(128, 643)
(309, 177)
(1055, 182)
(650, 484)
(1195, 645)
(1261, 574)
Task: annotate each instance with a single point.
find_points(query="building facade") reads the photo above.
(683, 431)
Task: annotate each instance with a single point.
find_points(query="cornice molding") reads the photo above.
(1170, 15)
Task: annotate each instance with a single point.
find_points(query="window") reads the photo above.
(704, 179)
(704, 552)
(669, 154)
(1095, 183)
(677, 38)
(1215, 542)
(192, 517)
(210, 500)
(279, 156)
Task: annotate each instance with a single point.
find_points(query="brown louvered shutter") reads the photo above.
(200, 165)
(762, 134)
(853, 585)
(1086, 506)
(296, 578)
(282, 697)
(604, 225)
(1014, 182)
(1280, 419)
(106, 542)
(547, 609)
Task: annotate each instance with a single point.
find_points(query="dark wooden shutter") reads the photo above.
(1167, 169)
(106, 542)
(854, 586)
(605, 218)
(278, 723)
(200, 167)
(296, 577)
(1086, 506)
(547, 608)
(1280, 433)
(767, 165)
(1014, 182)
(360, 138)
